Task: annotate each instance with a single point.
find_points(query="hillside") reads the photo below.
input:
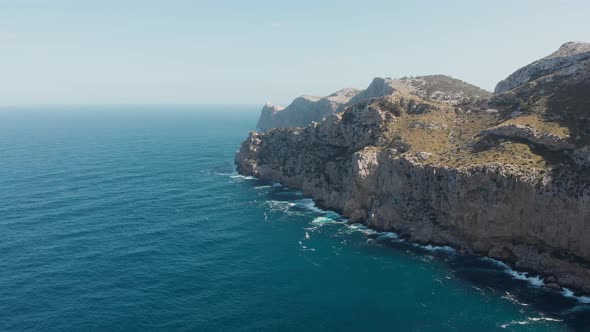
(306, 109)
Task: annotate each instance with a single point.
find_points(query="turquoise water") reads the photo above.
(133, 219)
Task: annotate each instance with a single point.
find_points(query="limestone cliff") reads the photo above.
(506, 176)
(307, 109)
(304, 110)
(568, 55)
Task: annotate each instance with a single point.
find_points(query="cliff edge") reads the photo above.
(504, 175)
(307, 109)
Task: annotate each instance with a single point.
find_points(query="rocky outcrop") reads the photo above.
(304, 110)
(379, 87)
(529, 134)
(565, 59)
(307, 109)
(444, 89)
(522, 197)
(268, 115)
(494, 209)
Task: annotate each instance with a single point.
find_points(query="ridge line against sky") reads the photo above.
(235, 52)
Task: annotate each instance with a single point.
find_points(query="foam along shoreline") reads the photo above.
(331, 217)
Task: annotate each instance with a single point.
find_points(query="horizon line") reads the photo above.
(127, 104)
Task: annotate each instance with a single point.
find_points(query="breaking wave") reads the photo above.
(530, 320)
(570, 294)
(534, 280)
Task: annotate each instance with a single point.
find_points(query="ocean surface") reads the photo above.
(132, 218)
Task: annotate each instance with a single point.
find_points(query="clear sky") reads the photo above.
(180, 51)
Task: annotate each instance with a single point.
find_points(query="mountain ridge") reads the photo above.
(306, 109)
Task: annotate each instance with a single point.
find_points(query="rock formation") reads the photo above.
(506, 176)
(565, 60)
(307, 109)
(304, 110)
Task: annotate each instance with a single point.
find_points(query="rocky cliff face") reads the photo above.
(569, 54)
(307, 109)
(506, 177)
(304, 110)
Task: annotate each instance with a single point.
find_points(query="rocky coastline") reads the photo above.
(503, 175)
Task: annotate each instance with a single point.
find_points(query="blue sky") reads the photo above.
(177, 51)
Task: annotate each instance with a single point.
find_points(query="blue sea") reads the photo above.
(132, 218)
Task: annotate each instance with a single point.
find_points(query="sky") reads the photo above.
(251, 52)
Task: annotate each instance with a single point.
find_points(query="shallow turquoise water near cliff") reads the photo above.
(132, 218)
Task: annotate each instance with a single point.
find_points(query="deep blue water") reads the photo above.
(133, 219)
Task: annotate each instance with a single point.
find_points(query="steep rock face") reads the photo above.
(493, 209)
(509, 182)
(268, 115)
(379, 87)
(529, 134)
(568, 55)
(444, 89)
(306, 109)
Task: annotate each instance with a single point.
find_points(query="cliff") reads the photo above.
(568, 55)
(304, 110)
(307, 109)
(506, 176)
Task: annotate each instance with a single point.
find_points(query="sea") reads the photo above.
(133, 218)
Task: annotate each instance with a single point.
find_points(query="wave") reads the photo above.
(430, 247)
(570, 294)
(514, 300)
(310, 205)
(323, 220)
(534, 280)
(331, 217)
(530, 320)
(304, 247)
(363, 229)
(280, 206)
(243, 177)
(390, 236)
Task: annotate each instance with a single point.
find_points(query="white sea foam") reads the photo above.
(304, 247)
(281, 206)
(513, 299)
(388, 236)
(309, 204)
(322, 220)
(330, 217)
(544, 319)
(521, 322)
(363, 229)
(570, 294)
(534, 280)
(530, 320)
(430, 247)
(243, 177)
(496, 262)
(262, 187)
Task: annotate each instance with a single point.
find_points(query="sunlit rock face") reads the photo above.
(569, 55)
(307, 109)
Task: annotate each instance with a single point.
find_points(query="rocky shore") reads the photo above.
(504, 175)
